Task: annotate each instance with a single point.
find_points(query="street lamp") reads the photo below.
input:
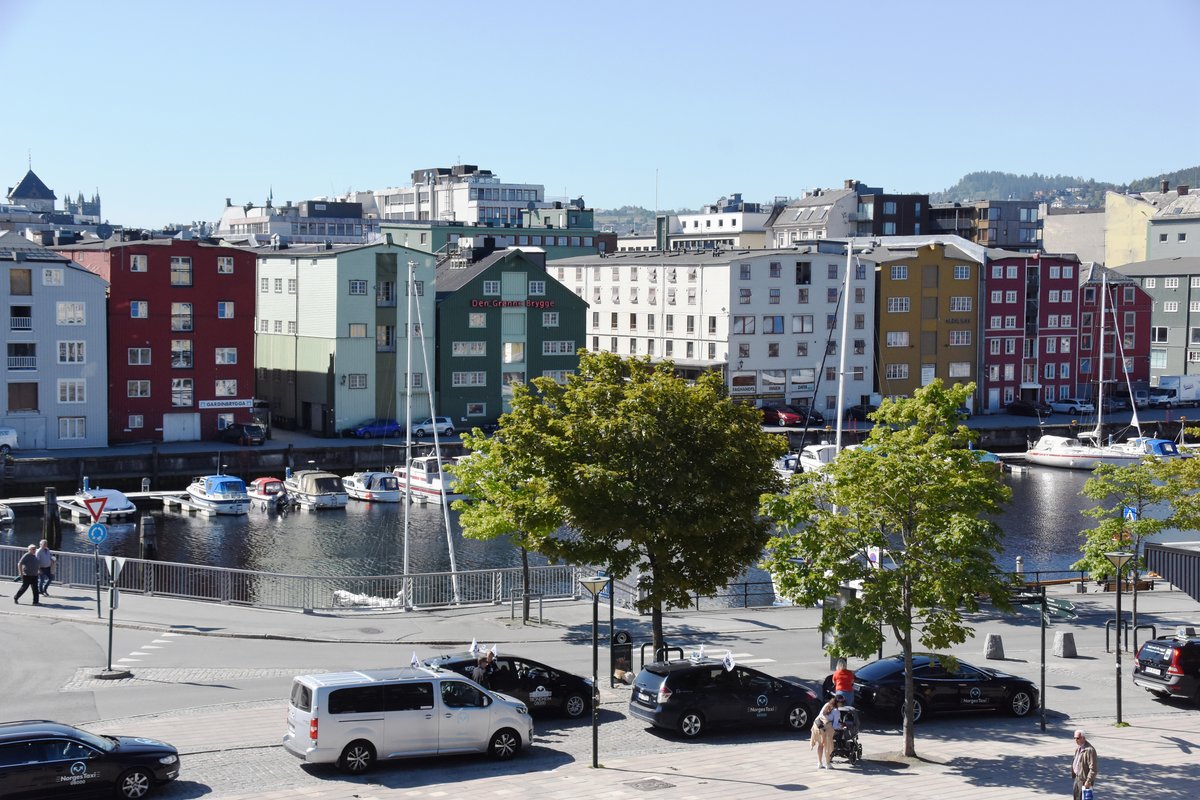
(595, 585)
(1119, 559)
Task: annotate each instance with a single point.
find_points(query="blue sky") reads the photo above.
(167, 108)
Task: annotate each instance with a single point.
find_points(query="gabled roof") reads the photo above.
(1091, 272)
(451, 278)
(31, 188)
(1184, 265)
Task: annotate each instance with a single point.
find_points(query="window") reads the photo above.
(994, 322)
(181, 353)
(291, 327)
(743, 296)
(358, 330)
(358, 287)
(560, 348)
(70, 314)
(802, 294)
(224, 309)
(960, 369)
(773, 295)
(1170, 283)
(181, 316)
(1053, 296)
(898, 305)
(1055, 271)
(1012, 271)
(71, 353)
(690, 325)
(537, 287)
(1048, 371)
(960, 338)
(743, 324)
(1158, 359)
(225, 355)
(1010, 346)
(550, 319)
(72, 428)
(1052, 345)
(775, 269)
(1064, 345)
(135, 421)
(994, 347)
(1010, 322)
(181, 392)
(139, 356)
(181, 271)
(1052, 321)
(72, 390)
(1064, 370)
(691, 295)
(1170, 307)
(1158, 334)
(139, 309)
(896, 371)
(960, 303)
(224, 265)
(899, 272)
(962, 272)
(997, 271)
(712, 325)
(1068, 296)
(137, 263)
(225, 387)
(358, 380)
(802, 323)
(831, 294)
(1010, 296)
(897, 339)
(291, 284)
(773, 324)
(468, 378)
(1150, 283)
(264, 285)
(491, 287)
(830, 321)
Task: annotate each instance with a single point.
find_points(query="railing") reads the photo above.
(273, 590)
(22, 362)
(20, 323)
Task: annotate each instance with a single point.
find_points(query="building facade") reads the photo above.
(1014, 225)
(55, 376)
(1124, 327)
(1173, 286)
(180, 336)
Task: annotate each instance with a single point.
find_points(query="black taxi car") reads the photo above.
(539, 686)
(1169, 666)
(693, 695)
(43, 759)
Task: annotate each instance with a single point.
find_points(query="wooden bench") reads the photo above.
(1126, 585)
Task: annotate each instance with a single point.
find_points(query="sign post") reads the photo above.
(96, 534)
(114, 571)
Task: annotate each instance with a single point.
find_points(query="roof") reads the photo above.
(1182, 265)
(451, 278)
(1178, 562)
(15, 247)
(31, 188)
(1091, 272)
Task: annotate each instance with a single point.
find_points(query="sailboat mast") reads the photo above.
(841, 385)
(412, 266)
(1100, 369)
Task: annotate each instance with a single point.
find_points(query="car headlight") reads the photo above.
(168, 759)
(522, 710)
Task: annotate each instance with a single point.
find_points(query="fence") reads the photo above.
(272, 590)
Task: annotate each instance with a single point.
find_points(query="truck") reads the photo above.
(1176, 391)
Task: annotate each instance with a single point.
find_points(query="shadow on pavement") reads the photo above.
(415, 773)
(1052, 773)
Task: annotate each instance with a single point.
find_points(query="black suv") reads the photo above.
(690, 696)
(1169, 666)
(244, 433)
(39, 758)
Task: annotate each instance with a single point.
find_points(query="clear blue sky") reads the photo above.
(167, 108)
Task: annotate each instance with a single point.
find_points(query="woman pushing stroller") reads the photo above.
(828, 721)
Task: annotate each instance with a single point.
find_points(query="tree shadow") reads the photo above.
(1118, 777)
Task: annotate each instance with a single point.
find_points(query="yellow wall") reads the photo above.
(1126, 228)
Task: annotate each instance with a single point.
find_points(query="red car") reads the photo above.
(774, 415)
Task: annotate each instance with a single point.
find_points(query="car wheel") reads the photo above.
(419, 432)
(799, 718)
(357, 758)
(505, 744)
(574, 705)
(5, 449)
(691, 724)
(135, 783)
(449, 431)
(1020, 703)
(918, 711)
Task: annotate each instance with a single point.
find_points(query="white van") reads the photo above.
(354, 718)
(8, 440)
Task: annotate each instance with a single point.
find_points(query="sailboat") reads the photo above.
(1089, 450)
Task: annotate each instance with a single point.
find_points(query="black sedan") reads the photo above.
(1030, 408)
(879, 687)
(537, 685)
(39, 758)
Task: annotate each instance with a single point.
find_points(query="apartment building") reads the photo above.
(1173, 287)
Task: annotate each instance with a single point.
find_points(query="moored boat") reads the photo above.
(376, 487)
(6, 515)
(116, 505)
(315, 488)
(1085, 453)
(428, 480)
(816, 457)
(222, 494)
(268, 494)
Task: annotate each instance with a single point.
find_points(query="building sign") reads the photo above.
(231, 403)
(512, 304)
(743, 383)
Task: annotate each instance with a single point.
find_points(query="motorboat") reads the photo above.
(116, 505)
(6, 515)
(268, 494)
(222, 494)
(376, 487)
(315, 488)
(816, 457)
(788, 465)
(428, 480)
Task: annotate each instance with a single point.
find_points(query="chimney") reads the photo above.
(1165, 185)
(850, 183)
(1182, 189)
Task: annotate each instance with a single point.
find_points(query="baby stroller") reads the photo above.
(845, 739)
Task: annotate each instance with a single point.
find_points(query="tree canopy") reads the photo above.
(650, 475)
(914, 497)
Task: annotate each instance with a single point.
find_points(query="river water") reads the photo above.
(1042, 524)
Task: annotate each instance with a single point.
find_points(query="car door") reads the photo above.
(761, 697)
(976, 689)
(20, 770)
(724, 697)
(506, 677)
(412, 719)
(534, 684)
(465, 717)
(935, 687)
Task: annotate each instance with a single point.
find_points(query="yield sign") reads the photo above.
(95, 506)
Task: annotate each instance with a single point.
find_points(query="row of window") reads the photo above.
(181, 390)
(745, 349)
(514, 352)
(181, 313)
(956, 370)
(1054, 271)
(962, 272)
(181, 267)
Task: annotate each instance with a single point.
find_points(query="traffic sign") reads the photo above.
(97, 533)
(1131, 513)
(115, 564)
(95, 506)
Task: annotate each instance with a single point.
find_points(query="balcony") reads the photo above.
(20, 323)
(22, 363)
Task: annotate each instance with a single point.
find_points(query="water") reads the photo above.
(1042, 524)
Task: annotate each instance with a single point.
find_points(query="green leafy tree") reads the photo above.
(649, 473)
(1142, 487)
(915, 494)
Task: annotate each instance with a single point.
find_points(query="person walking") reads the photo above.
(1083, 767)
(828, 720)
(28, 569)
(46, 561)
(843, 681)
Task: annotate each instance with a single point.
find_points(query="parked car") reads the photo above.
(858, 413)
(8, 440)
(1116, 403)
(1029, 408)
(691, 696)
(809, 417)
(1073, 405)
(382, 426)
(1169, 666)
(879, 687)
(39, 758)
(353, 718)
(779, 415)
(244, 433)
(427, 426)
(537, 685)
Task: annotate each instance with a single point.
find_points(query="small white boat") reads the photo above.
(6, 515)
(268, 494)
(816, 457)
(315, 488)
(116, 505)
(377, 487)
(788, 465)
(427, 480)
(1085, 453)
(222, 494)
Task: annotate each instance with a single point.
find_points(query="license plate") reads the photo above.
(1152, 671)
(645, 697)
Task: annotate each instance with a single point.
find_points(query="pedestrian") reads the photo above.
(828, 720)
(28, 569)
(1083, 767)
(479, 672)
(46, 561)
(843, 681)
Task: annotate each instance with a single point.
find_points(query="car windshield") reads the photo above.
(104, 743)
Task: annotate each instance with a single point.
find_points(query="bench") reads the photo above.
(1110, 585)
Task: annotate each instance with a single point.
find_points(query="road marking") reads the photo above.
(139, 653)
(129, 659)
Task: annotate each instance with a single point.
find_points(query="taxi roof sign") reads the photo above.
(95, 506)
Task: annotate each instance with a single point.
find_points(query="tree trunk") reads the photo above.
(657, 629)
(906, 646)
(524, 586)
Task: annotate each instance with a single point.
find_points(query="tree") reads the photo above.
(1123, 491)
(649, 473)
(914, 491)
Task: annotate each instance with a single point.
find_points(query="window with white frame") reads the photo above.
(537, 287)
(358, 287)
(138, 263)
(1052, 321)
(135, 421)
(224, 309)
(1048, 371)
(960, 338)
(291, 284)
(1064, 370)
(1055, 271)
(478, 378)
(997, 296)
(225, 355)
(559, 376)
(1150, 283)
(139, 309)
(224, 265)
(1170, 307)
(896, 371)
(1012, 271)
(997, 271)
(70, 313)
(959, 369)
(994, 322)
(491, 287)
(899, 272)
(549, 319)
(1010, 296)
(898, 305)
(1010, 321)
(1053, 295)
(994, 347)
(181, 393)
(1052, 345)
(960, 303)
(72, 427)
(181, 353)
(962, 272)
(181, 271)
(1170, 283)
(1064, 345)
(468, 349)
(138, 356)
(264, 285)
(181, 316)
(1065, 320)
(72, 390)
(897, 338)
(358, 330)
(72, 353)
(225, 387)
(1010, 346)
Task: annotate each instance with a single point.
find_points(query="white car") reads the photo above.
(1071, 405)
(426, 427)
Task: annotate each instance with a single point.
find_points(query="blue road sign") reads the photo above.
(1131, 513)
(97, 533)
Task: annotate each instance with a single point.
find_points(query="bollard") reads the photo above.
(993, 647)
(149, 545)
(1064, 645)
(1020, 565)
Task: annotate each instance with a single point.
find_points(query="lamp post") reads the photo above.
(595, 585)
(1119, 559)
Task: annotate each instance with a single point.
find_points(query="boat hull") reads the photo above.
(229, 505)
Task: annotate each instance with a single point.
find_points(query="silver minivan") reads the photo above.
(8, 440)
(353, 719)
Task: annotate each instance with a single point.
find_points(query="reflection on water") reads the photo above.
(1042, 524)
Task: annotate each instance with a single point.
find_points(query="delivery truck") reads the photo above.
(1176, 391)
